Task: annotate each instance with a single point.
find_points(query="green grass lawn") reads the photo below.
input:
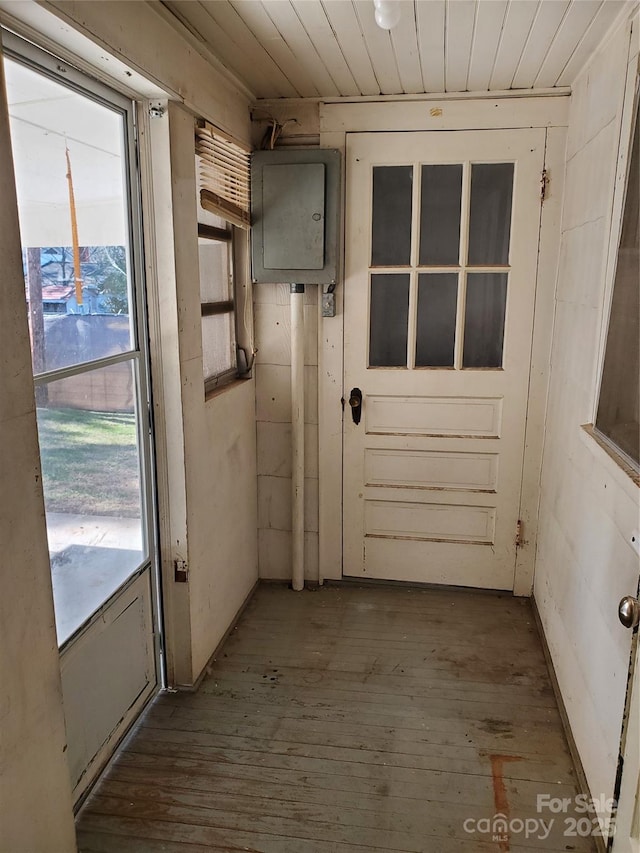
(89, 462)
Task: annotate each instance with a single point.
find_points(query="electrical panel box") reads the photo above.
(295, 211)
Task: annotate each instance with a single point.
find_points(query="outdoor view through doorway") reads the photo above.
(71, 164)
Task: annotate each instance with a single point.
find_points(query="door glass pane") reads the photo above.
(436, 330)
(92, 488)
(440, 214)
(69, 163)
(391, 224)
(490, 214)
(484, 319)
(389, 320)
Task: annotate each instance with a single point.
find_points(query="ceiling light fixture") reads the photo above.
(387, 13)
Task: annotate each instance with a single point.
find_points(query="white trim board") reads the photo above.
(445, 114)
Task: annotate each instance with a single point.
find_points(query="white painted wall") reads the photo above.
(35, 790)
(589, 507)
(208, 507)
(223, 520)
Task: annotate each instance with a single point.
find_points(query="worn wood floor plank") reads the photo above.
(496, 729)
(356, 701)
(319, 791)
(401, 829)
(465, 758)
(197, 839)
(347, 720)
(417, 667)
(490, 735)
(349, 736)
(103, 842)
(327, 785)
(394, 685)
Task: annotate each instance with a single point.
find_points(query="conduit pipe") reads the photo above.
(297, 435)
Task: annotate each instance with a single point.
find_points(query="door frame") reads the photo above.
(145, 581)
(434, 114)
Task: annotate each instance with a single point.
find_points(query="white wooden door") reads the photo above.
(440, 279)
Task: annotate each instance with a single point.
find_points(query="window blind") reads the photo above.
(224, 175)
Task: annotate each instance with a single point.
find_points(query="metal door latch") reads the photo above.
(355, 401)
(629, 611)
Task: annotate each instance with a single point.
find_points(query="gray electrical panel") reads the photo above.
(293, 205)
(295, 210)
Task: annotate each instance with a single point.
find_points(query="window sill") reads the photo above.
(620, 463)
(217, 390)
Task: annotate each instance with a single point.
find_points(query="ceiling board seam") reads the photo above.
(406, 47)
(202, 46)
(289, 47)
(243, 23)
(337, 40)
(325, 31)
(395, 58)
(495, 70)
(526, 42)
(366, 45)
(555, 36)
(444, 36)
(432, 53)
(626, 15)
(592, 23)
(319, 55)
(553, 40)
(271, 57)
(497, 51)
(345, 28)
(473, 46)
(415, 21)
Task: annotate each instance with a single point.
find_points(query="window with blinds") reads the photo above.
(224, 170)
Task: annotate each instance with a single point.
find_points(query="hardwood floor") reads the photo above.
(345, 720)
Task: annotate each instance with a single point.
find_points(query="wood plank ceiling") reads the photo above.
(333, 48)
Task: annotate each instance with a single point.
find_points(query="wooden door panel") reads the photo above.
(431, 469)
(108, 674)
(452, 564)
(434, 416)
(438, 522)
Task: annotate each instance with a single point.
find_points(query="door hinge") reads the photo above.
(519, 534)
(544, 183)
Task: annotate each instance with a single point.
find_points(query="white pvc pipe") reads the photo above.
(297, 435)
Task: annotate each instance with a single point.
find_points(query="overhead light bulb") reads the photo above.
(387, 13)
